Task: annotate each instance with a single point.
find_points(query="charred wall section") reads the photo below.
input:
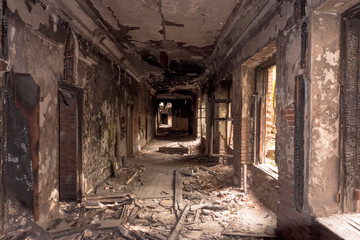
(37, 39)
(299, 29)
(20, 169)
(99, 78)
(283, 33)
(35, 43)
(108, 90)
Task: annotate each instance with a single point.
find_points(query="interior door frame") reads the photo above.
(79, 145)
(130, 130)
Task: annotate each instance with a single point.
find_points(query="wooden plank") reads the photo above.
(175, 232)
(178, 199)
(71, 231)
(133, 214)
(235, 229)
(105, 206)
(207, 206)
(132, 178)
(109, 224)
(174, 150)
(109, 195)
(208, 170)
(197, 213)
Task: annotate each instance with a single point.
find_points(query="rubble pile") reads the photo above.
(204, 206)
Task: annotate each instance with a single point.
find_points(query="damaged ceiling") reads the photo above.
(168, 42)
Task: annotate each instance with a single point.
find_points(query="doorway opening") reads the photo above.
(165, 111)
(270, 117)
(265, 114)
(129, 131)
(70, 143)
(222, 130)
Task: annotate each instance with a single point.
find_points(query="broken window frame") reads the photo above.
(201, 115)
(228, 118)
(259, 117)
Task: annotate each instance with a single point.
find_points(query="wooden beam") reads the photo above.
(175, 232)
(178, 200)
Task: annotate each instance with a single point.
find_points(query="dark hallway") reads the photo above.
(179, 119)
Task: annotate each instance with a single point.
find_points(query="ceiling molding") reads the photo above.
(83, 22)
(233, 36)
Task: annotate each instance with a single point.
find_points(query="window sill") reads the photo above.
(346, 226)
(269, 170)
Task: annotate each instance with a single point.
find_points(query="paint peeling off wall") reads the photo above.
(40, 54)
(107, 92)
(325, 92)
(99, 78)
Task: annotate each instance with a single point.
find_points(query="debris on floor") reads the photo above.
(174, 150)
(202, 204)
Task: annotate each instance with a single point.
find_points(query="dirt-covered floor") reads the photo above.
(164, 195)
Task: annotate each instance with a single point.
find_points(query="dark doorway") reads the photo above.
(129, 131)
(70, 144)
(164, 119)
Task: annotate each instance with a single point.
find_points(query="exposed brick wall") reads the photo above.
(291, 223)
(246, 141)
(289, 114)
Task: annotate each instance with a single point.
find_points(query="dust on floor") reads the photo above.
(143, 202)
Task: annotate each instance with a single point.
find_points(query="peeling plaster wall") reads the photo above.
(324, 125)
(322, 114)
(283, 27)
(290, 222)
(107, 91)
(100, 81)
(36, 47)
(138, 95)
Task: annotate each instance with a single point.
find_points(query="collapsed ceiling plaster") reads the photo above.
(170, 40)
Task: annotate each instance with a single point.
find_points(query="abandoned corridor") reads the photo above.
(119, 117)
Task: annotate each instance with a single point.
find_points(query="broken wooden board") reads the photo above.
(197, 213)
(256, 230)
(208, 206)
(39, 233)
(208, 170)
(175, 232)
(178, 185)
(109, 224)
(132, 178)
(72, 230)
(94, 201)
(18, 235)
(110, 195)
(174, 150)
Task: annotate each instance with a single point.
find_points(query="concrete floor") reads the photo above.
(159, 174)
(158, 184)
(152, 213)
